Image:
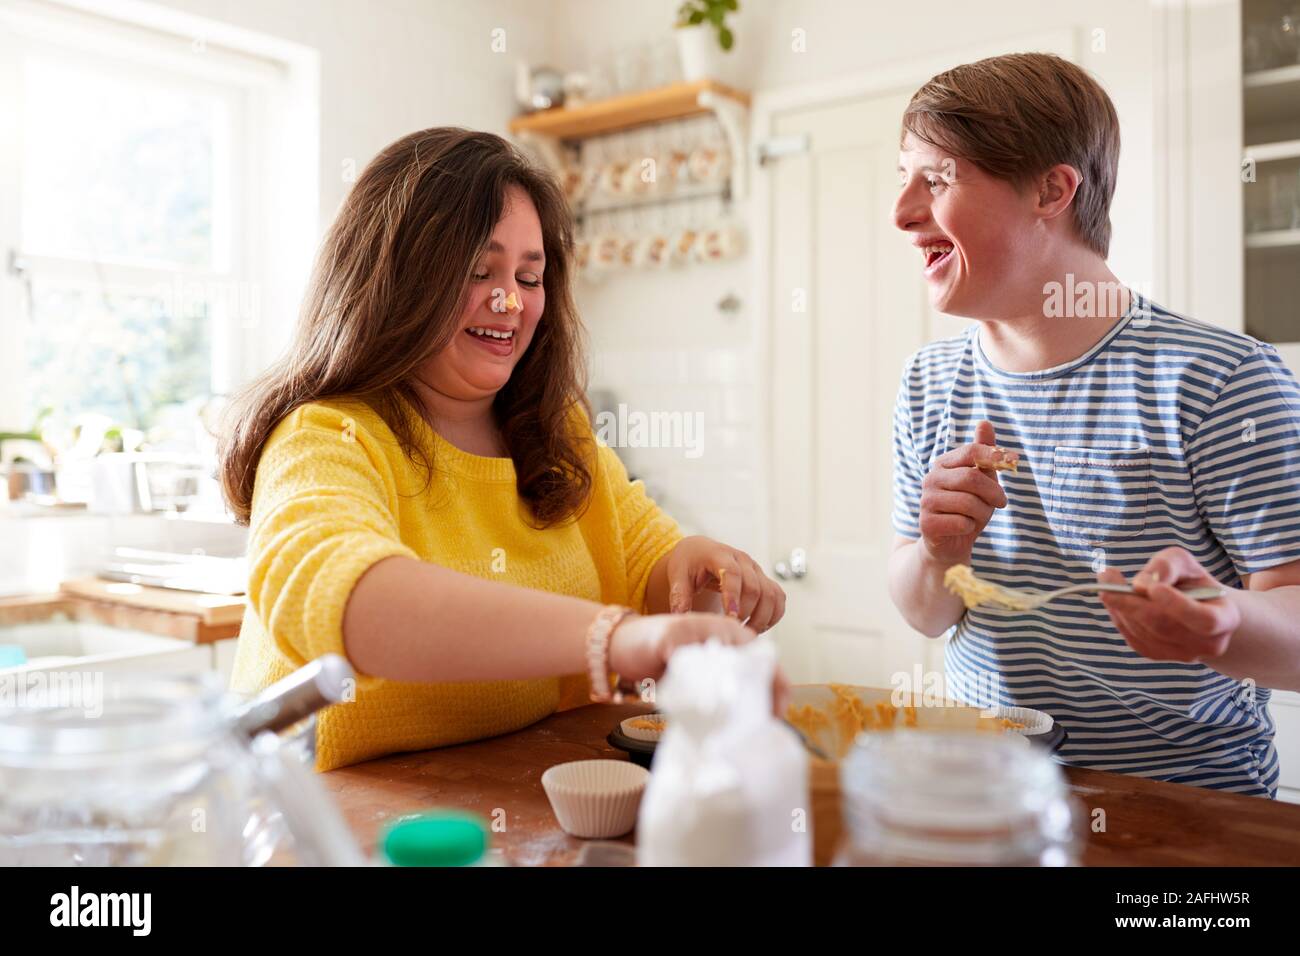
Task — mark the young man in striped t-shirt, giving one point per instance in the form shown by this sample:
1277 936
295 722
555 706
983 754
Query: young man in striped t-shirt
1152 448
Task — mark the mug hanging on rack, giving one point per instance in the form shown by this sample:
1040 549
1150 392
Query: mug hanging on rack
708 158
593 163
627 240
573 182
651 246
612 178
642 173
606 246
673 156
581 253
685 238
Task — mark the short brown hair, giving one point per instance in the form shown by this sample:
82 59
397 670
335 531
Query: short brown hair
1016 116
387 293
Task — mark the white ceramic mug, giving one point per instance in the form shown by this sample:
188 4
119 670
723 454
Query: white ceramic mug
653 251
606 249
683 244
634 182
612 178
582 254
707 163
719 243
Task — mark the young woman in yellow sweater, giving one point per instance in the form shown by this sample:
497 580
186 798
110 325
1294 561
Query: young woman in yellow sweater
424 491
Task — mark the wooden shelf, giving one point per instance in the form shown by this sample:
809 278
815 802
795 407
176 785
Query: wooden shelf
625 112
1272 152
1273 239
1278 76
1270 96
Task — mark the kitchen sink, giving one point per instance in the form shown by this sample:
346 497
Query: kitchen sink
61 644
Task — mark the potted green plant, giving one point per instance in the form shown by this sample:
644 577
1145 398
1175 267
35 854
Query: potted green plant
703 36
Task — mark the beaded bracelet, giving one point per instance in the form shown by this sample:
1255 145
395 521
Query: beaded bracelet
598 635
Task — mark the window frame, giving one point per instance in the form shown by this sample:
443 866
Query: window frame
252 88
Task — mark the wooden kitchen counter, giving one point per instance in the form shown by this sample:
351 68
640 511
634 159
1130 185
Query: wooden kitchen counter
1147 823
188 615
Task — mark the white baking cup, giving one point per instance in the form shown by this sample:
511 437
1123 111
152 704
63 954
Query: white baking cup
595 799
1036 722
641 733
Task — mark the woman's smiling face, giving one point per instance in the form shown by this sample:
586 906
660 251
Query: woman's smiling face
504 303
974 231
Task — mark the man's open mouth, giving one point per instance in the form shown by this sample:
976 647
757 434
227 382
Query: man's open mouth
935 252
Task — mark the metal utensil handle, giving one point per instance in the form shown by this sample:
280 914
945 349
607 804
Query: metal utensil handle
1196 594
808 744
320 683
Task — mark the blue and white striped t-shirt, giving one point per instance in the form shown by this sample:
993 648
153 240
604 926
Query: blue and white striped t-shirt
1168 432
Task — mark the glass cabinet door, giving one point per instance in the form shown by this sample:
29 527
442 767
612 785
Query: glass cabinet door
1271 170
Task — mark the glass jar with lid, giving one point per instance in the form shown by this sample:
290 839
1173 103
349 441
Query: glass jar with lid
920 798
153 770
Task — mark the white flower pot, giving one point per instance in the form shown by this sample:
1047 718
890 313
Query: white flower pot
700 53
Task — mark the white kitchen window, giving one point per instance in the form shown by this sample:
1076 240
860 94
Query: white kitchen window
134 220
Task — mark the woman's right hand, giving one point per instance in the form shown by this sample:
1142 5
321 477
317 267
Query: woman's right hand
640 646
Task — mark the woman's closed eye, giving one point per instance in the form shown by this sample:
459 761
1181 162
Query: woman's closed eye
529 280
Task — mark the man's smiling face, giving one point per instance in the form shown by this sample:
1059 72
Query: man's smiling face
975 232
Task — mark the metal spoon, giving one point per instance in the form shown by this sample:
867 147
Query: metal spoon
1018 599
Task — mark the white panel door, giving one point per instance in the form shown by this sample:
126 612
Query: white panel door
849 306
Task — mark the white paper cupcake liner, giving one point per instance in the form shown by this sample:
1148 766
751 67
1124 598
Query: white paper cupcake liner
595 799
1036 722
642 733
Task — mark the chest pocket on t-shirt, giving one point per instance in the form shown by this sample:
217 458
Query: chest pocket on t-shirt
1099 495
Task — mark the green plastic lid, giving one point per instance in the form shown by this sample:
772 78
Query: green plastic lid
439 838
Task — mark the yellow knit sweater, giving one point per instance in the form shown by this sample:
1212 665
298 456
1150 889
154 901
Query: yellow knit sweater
335 494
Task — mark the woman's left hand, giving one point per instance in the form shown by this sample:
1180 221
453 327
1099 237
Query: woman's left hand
702 564
1161 623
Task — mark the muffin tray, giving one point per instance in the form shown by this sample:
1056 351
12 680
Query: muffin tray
638 751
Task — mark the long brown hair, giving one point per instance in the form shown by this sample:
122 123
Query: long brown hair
387 293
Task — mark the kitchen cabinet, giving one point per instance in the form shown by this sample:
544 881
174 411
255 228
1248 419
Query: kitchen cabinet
1227 93
1228 192
1285 708
1270 126
57 635
1268 83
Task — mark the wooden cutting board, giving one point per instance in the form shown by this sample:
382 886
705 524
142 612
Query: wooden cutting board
211 609
207 617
